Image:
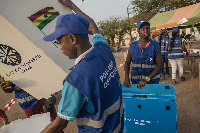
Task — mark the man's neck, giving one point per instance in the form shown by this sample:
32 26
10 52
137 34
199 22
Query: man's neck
79 57
83 49
143 42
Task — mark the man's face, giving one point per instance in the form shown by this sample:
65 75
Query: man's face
68 47
144 31
165 33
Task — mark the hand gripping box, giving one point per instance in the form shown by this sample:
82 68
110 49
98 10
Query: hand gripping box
151 109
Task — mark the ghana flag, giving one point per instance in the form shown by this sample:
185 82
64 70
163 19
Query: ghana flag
44 16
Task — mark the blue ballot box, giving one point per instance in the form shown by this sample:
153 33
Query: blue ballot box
151 109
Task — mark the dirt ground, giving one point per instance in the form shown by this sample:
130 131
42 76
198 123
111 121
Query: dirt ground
187 94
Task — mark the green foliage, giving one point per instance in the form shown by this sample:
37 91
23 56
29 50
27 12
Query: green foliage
146 9
115 27
156 6
108 28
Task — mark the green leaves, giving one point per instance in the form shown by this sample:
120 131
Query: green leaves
116 27
156 6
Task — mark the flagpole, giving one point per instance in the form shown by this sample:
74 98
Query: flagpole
82 5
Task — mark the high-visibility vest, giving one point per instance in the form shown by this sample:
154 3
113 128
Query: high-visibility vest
97 78
177 51
163 45
144 63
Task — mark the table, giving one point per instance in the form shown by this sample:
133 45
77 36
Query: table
191 57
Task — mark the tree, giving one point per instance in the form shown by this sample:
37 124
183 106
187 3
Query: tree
130 26
123 26
146 9
108 28
156 6
116 27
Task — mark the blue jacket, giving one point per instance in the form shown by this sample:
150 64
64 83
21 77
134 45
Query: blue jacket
177 51
25 100
96 77
163 45
143 63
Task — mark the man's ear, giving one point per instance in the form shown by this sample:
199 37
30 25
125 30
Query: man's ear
73 39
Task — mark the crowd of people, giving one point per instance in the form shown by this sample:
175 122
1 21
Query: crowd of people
172 50
92 92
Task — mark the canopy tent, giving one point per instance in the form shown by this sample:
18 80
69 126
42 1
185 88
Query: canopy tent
194 19
155 33
160 19
189 15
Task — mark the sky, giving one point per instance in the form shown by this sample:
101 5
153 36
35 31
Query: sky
100 10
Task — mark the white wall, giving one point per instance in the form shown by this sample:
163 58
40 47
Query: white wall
188 31
196 33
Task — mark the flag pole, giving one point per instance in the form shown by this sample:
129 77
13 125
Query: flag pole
82 5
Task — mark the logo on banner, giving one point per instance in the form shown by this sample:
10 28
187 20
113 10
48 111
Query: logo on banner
9 55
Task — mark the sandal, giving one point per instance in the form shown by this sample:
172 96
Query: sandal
173 83
182 78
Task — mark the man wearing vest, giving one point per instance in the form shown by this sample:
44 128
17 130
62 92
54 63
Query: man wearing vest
163 41
27 102
175 54
146 58
91 92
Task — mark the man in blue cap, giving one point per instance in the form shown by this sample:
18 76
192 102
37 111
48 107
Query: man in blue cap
146 59
163 41
91 92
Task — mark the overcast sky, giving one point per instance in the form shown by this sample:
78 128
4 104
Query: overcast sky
103 9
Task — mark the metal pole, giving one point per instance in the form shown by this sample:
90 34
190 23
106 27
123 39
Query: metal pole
128 13
199 76
82 5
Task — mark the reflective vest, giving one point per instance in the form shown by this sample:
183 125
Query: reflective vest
177 51
25 100
144 63
163 45
96 77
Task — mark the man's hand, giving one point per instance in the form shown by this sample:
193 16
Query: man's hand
127 83
141 84
6 86
4 117
67 3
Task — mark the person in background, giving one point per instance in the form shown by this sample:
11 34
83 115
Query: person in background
146 59
27 102
182 35
4 117
175 54
163 41
91 92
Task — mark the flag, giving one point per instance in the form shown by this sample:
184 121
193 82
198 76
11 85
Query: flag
44 16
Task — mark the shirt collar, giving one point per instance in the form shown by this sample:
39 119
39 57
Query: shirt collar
83 55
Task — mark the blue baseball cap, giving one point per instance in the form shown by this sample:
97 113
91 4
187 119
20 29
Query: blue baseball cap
69 24
141 23
176 30
163 31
